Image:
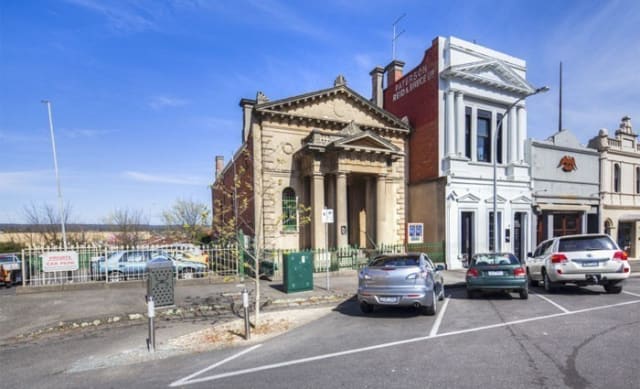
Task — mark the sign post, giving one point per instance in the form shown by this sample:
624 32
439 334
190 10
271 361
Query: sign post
327 218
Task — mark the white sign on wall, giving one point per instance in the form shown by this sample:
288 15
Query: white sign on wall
415 232
60 261
327 215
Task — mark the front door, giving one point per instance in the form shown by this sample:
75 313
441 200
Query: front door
567 224
467 235
519 233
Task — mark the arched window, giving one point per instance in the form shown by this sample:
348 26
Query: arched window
616 178
607 227
289 210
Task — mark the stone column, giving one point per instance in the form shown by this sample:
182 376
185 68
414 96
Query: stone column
513 136
522 131
341 210
460 123
381 210
451 123
549 225
317 204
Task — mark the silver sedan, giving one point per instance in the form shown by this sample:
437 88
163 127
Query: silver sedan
405 280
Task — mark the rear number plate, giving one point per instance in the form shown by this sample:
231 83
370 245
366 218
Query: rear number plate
495 273
388 300
590 264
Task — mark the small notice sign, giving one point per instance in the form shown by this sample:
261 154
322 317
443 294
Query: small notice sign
416 232
327 215
60 261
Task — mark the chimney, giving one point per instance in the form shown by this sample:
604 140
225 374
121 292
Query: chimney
247 109
219 165
394 71
376 86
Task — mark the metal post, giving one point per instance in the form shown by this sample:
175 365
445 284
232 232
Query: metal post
245 306
495 155
151 313
55 165
327 255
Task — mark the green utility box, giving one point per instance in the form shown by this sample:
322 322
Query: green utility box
298 272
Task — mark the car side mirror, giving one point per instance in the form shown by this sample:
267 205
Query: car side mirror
529 254
440 267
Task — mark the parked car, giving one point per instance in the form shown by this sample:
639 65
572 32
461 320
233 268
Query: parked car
128 264
11 269
186 252
496 272
587 259
405 280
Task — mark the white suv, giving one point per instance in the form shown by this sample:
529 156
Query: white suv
579 259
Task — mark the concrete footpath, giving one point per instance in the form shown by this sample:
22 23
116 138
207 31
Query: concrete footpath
27 313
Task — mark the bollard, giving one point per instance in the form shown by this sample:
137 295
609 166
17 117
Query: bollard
245 305
151 313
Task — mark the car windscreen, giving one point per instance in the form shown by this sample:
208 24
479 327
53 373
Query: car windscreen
586 243
494 259
395 261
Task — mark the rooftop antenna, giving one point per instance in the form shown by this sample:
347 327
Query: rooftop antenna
395 37
560 102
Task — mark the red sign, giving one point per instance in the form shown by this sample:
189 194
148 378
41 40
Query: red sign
60 261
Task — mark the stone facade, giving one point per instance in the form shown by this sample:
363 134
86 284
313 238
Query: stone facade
566 186
329 149
620 185
454 100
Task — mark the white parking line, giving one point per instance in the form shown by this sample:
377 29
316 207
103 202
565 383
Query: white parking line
187 381
560 307
436 324
631 294
184 381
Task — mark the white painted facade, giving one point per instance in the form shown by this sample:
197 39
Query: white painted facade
477 81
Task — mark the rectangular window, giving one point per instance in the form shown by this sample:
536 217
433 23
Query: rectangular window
491 231
467 132
466 234
483 131
638 180
499 140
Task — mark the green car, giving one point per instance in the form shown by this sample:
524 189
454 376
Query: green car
496 272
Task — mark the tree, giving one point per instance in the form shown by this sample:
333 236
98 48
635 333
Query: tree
234 196
44 224
190 217
129 224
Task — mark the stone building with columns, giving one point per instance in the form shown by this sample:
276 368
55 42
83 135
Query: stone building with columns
619 165
329 149
454 100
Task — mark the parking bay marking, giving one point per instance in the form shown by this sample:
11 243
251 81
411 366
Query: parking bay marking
560 307
631 294
436 324
188 380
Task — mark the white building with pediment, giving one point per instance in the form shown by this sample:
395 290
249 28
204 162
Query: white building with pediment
454 100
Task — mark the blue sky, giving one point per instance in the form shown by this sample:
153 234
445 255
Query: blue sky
145 93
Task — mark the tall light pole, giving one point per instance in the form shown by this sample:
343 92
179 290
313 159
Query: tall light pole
495 165
55 165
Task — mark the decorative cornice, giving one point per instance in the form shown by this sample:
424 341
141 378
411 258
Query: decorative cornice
509 80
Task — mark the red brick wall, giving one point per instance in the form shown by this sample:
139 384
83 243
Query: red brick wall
223 194
415 95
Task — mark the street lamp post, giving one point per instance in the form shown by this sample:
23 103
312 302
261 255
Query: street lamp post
55 165
495 165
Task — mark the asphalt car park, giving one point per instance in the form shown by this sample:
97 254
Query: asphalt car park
573 338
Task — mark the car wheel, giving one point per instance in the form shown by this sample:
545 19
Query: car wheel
187 274
433 308
532 282
548 285
116 276
365 307
613 288
441 298
524 293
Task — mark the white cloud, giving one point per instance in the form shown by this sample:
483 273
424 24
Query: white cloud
164 179
160 102
74 133
14 137
26 181
123 16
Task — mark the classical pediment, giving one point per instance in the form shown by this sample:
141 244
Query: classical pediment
521 200
500 200
493 73
468 198
364 141
338 105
